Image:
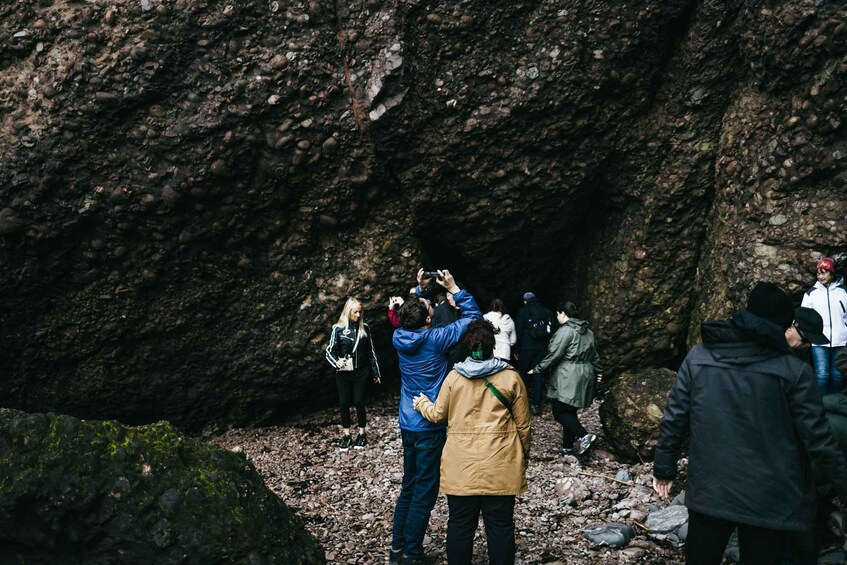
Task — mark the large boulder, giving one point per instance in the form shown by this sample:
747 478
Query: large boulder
633 409
75 491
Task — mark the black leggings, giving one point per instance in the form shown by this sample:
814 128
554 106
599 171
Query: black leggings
352 390
565 414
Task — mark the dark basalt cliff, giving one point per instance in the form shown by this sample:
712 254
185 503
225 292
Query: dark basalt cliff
189 189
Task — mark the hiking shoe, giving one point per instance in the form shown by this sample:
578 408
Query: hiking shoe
395 556
361 442
585 443
346 442
566 451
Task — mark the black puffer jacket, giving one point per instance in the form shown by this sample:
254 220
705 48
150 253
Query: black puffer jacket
755 421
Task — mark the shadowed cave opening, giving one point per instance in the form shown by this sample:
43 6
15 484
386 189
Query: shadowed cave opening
486 282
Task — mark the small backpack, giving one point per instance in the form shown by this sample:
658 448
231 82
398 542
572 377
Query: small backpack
540 329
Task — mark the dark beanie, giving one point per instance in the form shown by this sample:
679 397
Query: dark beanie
768 301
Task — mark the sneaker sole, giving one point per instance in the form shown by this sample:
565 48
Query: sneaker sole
581 451
358 447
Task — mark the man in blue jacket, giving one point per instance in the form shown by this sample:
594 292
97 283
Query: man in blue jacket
424 362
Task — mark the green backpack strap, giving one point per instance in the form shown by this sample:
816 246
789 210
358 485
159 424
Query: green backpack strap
500 397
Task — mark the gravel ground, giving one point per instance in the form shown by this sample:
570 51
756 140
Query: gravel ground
347 498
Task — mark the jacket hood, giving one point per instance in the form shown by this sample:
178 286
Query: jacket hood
744 339
408 341
473 369
581 326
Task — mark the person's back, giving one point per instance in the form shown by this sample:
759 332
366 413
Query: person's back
424 362
530 313
484 465
532 345
424 355
754 418
746 462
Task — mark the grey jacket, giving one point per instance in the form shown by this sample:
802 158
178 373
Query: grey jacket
574 364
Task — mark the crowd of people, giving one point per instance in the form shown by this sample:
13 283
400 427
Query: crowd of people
761 451
464 406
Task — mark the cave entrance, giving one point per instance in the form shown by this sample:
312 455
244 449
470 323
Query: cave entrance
486 279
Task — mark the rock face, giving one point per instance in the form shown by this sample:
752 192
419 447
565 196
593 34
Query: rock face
190 189
96 492
633 409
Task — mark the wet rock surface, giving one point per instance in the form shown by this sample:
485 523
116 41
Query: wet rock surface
347 498
632 411
190 189
90 492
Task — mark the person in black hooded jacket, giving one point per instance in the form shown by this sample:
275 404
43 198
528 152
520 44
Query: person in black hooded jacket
755 421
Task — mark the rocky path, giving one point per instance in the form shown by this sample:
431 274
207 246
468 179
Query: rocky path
347 498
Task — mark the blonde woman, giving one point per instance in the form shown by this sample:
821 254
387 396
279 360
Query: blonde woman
351 354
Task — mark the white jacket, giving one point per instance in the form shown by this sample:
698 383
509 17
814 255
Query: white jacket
506 337
831 303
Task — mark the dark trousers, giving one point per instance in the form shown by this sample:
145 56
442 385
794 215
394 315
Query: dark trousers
498 514
708 536
421 479
565 414
534 383
352 389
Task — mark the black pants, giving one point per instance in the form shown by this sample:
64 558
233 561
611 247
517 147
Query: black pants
498 513
707 538
565 414
534 383
352 388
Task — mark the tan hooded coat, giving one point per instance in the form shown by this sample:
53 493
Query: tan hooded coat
487 451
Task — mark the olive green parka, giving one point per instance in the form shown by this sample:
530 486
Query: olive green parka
574 364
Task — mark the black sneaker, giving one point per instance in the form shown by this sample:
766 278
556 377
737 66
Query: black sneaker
395 556
566 451
585 443
346 442
361 442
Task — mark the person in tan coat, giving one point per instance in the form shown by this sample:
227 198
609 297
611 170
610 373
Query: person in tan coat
483 466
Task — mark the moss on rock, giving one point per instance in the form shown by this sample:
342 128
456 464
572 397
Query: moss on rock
101 492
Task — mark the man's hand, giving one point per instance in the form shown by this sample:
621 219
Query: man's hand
446 280
422 282
340 363
662 487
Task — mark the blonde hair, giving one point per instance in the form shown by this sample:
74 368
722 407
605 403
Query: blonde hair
344 318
